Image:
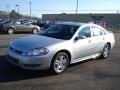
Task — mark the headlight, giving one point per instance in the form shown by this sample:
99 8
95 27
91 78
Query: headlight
36 52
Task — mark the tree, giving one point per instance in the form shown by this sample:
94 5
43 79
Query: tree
15 15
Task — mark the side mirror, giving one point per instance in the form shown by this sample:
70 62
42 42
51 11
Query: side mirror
76 39
82 37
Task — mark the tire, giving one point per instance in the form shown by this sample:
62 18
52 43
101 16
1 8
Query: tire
59 63
11 31
35 30
106 51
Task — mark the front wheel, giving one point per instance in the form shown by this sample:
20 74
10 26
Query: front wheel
106 51
59 63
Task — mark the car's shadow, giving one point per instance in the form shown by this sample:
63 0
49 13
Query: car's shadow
9 73
1 33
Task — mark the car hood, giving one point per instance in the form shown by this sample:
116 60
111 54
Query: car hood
33 41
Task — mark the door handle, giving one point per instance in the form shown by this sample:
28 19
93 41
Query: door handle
89 41
103 38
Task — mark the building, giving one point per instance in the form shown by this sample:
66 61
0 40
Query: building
110 19
3 15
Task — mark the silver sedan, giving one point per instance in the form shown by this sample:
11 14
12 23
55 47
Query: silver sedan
11 27
60 45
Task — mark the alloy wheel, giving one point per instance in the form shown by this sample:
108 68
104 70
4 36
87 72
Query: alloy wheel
35 30
60 63
106 51
10 31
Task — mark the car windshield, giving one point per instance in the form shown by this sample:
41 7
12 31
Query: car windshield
60 31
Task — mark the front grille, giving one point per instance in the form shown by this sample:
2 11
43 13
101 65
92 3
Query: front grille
15 50
13 60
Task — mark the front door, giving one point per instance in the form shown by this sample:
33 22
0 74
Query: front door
20 26
84 46
98 39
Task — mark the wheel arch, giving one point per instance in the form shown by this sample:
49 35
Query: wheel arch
65 51
11 27
35 28
109 44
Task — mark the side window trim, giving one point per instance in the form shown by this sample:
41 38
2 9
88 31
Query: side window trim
104 32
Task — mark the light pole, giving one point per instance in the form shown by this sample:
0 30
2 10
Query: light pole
30 9
17 8
77 11
8 11
77 7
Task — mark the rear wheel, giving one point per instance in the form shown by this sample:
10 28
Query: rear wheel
35 30
11 31
59 63
106 51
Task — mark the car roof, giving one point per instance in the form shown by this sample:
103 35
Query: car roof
79 24
71 23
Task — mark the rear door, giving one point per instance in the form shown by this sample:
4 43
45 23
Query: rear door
29 27
98 39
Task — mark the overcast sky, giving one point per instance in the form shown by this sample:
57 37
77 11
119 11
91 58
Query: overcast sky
61 6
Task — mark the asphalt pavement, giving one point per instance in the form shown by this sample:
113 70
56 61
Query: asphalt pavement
97 74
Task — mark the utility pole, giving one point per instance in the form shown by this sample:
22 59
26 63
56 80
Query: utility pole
8 11
30 9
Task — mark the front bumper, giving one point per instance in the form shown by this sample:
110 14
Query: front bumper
29 62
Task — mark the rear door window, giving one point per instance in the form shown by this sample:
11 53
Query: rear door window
96 31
